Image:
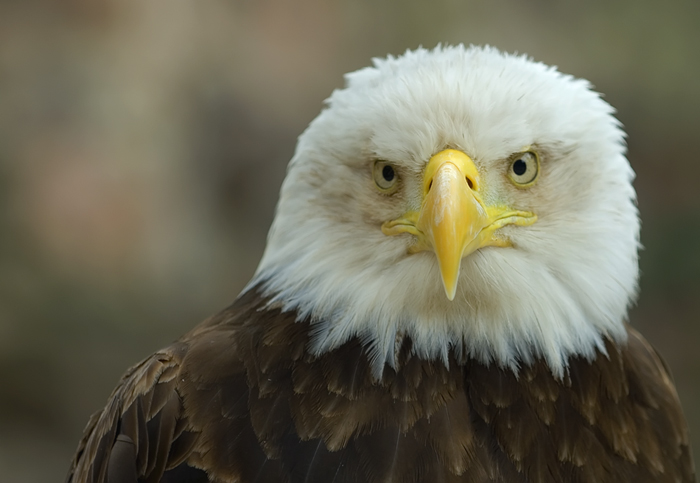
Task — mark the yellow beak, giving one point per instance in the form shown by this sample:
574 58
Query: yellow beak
453 220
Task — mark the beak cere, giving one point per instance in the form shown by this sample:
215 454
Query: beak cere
451 217
453 220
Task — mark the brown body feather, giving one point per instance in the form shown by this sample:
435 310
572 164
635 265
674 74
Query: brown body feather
239 399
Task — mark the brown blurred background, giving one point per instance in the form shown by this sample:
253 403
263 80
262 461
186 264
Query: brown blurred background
142 145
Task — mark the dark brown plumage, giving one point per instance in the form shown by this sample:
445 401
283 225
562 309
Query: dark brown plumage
240 399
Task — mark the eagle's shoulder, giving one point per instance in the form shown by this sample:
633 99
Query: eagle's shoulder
615 417
140 428
154 419
653 395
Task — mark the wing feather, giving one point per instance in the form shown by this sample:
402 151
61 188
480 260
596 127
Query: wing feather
134 434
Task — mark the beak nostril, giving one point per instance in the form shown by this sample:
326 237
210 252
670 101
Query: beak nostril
470 183
430 185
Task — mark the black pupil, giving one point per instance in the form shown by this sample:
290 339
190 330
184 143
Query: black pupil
388 173
519 167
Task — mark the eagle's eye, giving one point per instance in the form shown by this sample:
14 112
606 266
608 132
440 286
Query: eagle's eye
385 176
524 168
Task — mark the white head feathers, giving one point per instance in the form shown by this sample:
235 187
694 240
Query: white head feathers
563 286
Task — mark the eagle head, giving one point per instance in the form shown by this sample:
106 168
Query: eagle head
470 200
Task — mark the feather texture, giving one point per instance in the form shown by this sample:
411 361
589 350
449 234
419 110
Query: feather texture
238 399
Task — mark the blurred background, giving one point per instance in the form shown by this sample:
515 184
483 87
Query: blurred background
142 146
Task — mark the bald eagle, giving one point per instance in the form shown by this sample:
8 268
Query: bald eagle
443 298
